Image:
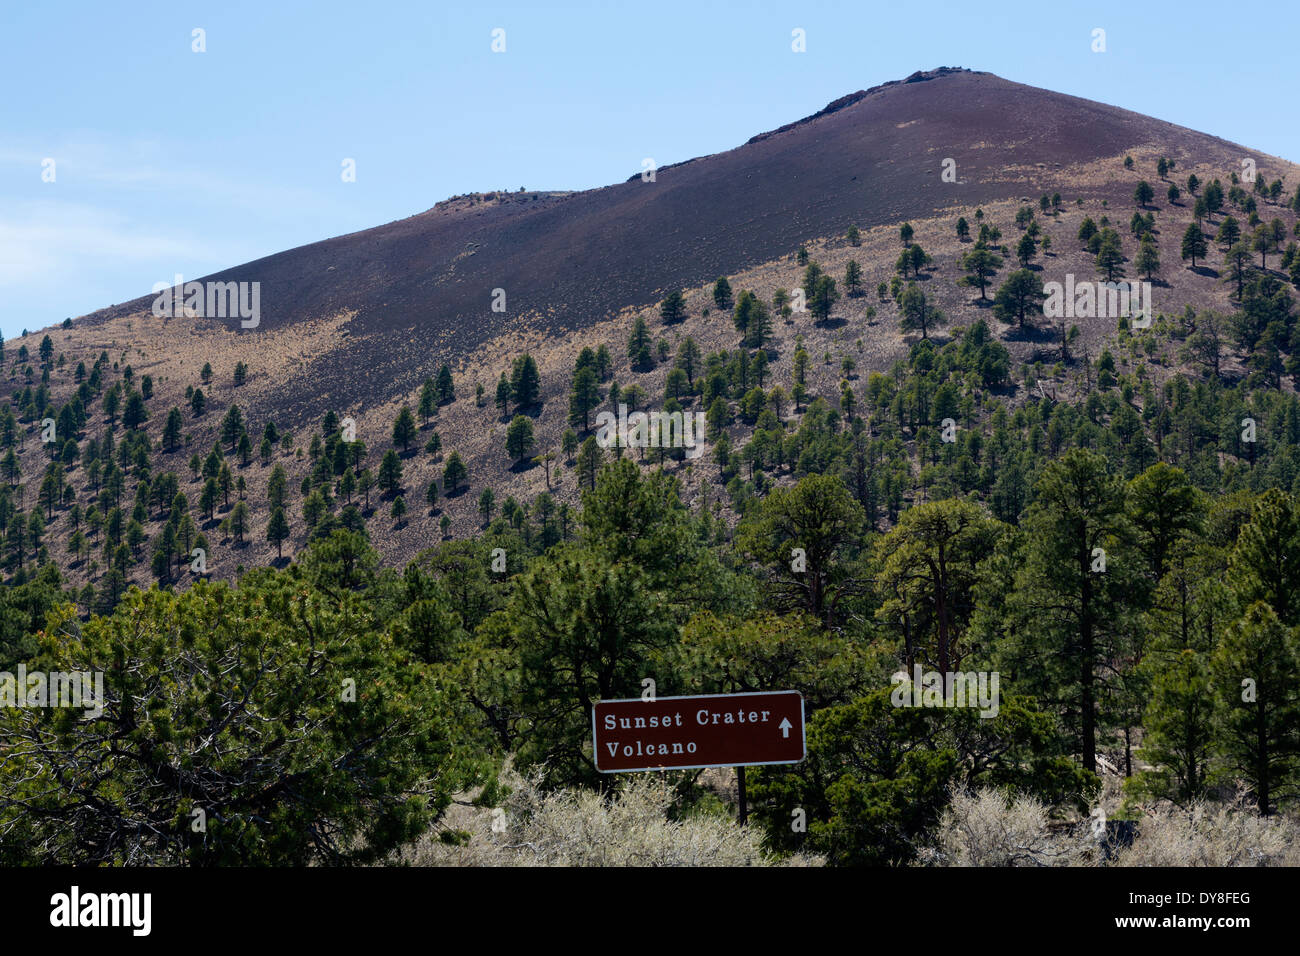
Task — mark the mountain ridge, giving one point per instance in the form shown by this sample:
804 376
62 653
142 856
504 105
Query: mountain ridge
566 260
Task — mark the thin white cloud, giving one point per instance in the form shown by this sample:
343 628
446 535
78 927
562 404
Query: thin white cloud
155 166
49 239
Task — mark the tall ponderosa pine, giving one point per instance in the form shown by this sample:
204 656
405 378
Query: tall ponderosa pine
823 297
519 438
428 406
1110 254
404 429
722 293
1194 244
1072 600
1148 258
1256 677
390 473
752 319
453 473
638 345
525 382
1179 730
584 396
444 386
928 566
853 278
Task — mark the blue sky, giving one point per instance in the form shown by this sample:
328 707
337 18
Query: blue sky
169 161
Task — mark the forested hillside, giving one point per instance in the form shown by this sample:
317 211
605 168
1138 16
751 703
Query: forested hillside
316 635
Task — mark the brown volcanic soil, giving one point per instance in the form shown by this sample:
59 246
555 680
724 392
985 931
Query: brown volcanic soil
421 288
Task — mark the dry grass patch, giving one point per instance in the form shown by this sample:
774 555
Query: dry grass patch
988 828
580 828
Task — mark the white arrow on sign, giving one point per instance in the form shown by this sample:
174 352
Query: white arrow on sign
785 726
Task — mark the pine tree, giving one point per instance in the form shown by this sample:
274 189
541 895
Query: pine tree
752 319
919 258
1179 728
824 296
226 480
134 414
722 294
915 311
1261 241
604 363
1019 297
1237 258
1087 229
525 383
404 429
275 487
853 278
1110 254
277 531
688 359
428 406
503 395
445 387
519 438
1256 678
1194 244
589 459
1148 258
638 345
1072 597
390 473
1026 250
208 497
980 265
584 396
365 481
673 308
171 435
239 521
453 473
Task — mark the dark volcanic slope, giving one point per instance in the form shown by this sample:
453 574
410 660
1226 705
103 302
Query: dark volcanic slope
870 158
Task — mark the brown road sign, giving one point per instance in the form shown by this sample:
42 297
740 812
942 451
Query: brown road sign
720 730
